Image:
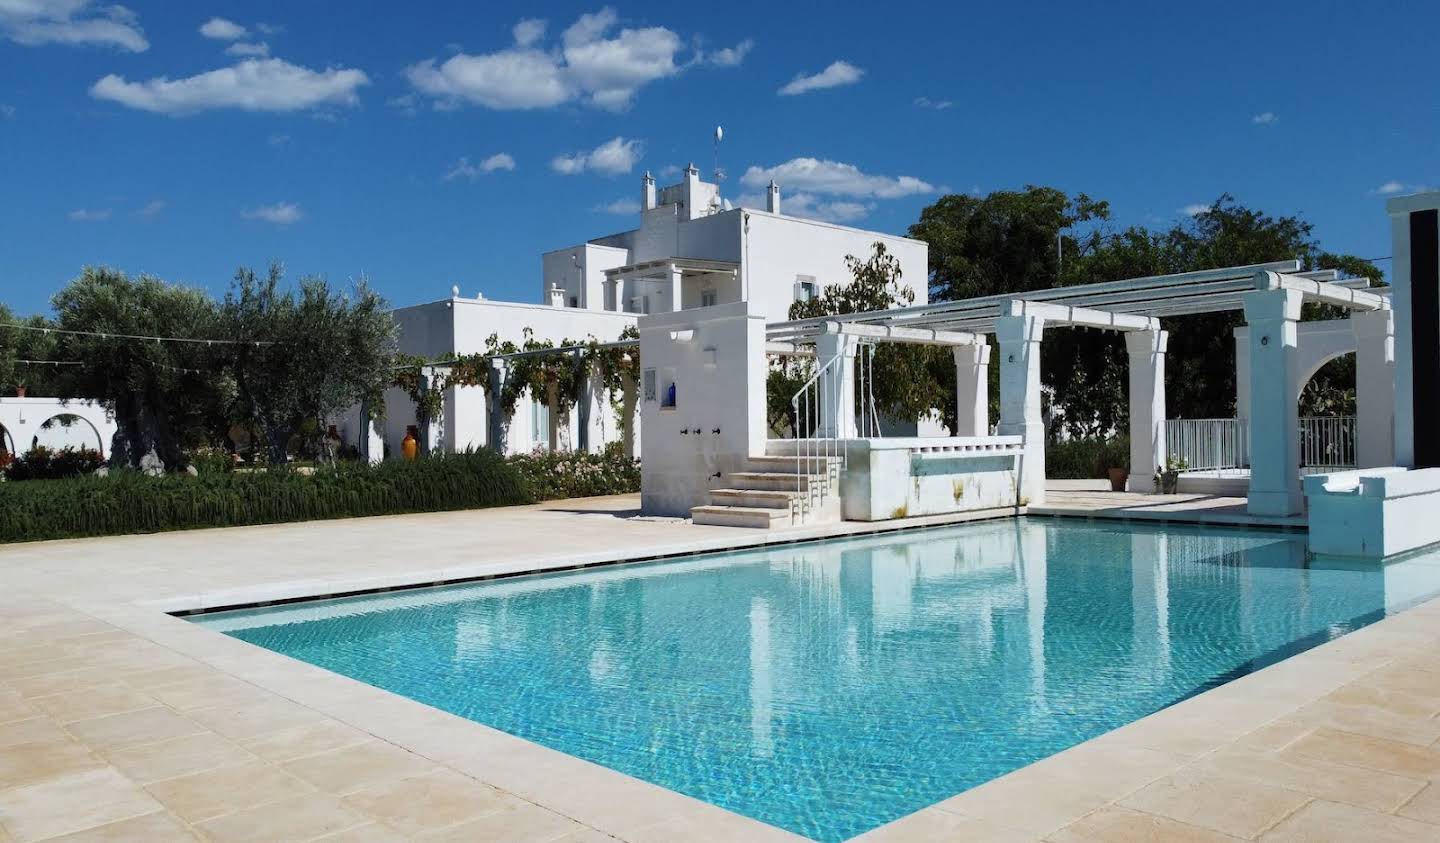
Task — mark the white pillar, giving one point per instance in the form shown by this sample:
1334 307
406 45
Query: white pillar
676 292
1147 406
1019 338
628 398
1415 279
1274 411
1242 372
972 388
837 385
1374 387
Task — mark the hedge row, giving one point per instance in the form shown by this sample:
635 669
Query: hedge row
129 502
551 476
1084 459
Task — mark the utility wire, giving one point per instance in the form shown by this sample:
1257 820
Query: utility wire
105 335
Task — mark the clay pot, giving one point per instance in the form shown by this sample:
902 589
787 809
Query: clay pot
1118 478
410 445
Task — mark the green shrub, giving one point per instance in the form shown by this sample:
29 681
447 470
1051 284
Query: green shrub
570 474
42 463
1084 459
130 502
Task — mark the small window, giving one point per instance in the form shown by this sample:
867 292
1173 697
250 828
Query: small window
539 423
574 301
708 298
649 378
805 288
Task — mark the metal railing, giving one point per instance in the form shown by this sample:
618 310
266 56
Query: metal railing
816 408
868 420
1327 443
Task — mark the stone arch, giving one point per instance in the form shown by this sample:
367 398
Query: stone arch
89 435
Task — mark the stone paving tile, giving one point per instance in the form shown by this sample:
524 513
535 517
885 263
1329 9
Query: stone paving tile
159 827
1396 757
1236 807
119 731
31 730
518 821
91 702
299 741
203 692
428 803
1314 777
372 833
1425 806
249 719
177 757
303 817
1119 825
355 767
1324 822
1369 720
15 707
1036 802
56 683
213 793
933 824
32 763
72 803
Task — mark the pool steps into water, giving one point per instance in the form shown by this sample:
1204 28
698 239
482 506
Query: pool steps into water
770 491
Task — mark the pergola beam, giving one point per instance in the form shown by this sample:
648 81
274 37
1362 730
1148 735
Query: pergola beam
1346 297
1083 317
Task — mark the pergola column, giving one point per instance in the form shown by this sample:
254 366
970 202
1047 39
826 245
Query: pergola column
499 425
629 394
371 442
1374 387
1147 406
1019 338
432 433
972 388
837 385
1274 410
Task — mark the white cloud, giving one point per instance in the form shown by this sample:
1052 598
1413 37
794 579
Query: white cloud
809 206
153 208
71 22
837 74
223 30
245 48
618 155
1194 210
89 215
269 28
1394 188
592 62
7 110
621 207
281 213
528 31
670 171
463 169
938 105
278 140
834 178
728 56
250 85
1265 118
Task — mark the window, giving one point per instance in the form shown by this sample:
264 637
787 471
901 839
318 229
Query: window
805 288
649 378
539 423
708 298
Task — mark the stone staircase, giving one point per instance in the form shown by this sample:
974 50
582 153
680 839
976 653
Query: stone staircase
771 494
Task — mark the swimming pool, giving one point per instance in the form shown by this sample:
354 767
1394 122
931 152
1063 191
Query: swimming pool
830 687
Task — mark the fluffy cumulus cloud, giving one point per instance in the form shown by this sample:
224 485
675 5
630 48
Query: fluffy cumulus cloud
223 30
72 22
251 85
837 74
89 215
1194 209
465 169
938 105
281 213
810 206
621 207
812 175
615 156
153 208
1395 188
246 49
1265 118
727 56
595 61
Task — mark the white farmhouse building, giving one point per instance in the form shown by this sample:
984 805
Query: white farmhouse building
692 249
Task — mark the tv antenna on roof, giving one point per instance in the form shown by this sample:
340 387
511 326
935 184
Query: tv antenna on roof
719 136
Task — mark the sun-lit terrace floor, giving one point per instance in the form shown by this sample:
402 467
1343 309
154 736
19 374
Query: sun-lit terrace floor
120 722
1093 499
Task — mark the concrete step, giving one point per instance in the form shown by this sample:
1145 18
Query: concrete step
774 480
761 498
740 516
815 465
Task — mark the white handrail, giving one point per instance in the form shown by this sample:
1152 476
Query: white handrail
820 392
1326 443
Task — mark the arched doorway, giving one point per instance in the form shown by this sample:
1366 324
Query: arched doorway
68 430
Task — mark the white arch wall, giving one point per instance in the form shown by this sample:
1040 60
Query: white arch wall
22 418
1318 344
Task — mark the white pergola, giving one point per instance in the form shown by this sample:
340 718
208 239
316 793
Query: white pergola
1270 294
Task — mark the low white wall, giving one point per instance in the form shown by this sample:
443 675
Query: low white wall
23 420
906 477
1373 513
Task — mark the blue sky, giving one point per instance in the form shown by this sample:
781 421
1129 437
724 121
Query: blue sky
453 142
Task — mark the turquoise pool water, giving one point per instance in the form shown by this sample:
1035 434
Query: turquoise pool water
831 687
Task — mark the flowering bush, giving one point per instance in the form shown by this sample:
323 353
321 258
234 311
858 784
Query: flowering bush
41 463
575 474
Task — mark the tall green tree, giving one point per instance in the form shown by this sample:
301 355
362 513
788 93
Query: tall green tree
162 393
304 355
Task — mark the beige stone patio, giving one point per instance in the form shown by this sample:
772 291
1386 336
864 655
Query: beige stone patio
120 722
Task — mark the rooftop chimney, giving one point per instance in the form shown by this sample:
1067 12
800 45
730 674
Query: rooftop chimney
772 197
557 296
647 192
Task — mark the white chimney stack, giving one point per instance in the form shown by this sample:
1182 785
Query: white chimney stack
557 296
647 192
772 197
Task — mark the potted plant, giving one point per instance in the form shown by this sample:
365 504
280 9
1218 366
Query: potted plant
1167 477
1119 476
